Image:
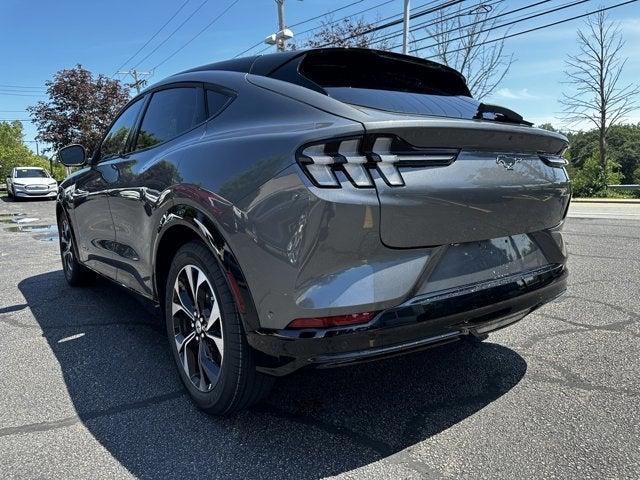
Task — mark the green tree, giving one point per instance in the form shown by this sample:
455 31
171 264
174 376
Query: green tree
623 147
589 181
14 153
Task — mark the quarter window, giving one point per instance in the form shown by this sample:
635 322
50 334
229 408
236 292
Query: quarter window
170 113
216 101
116 139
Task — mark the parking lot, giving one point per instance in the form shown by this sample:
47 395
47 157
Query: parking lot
88 388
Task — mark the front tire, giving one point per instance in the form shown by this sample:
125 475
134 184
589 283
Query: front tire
77 275
206 336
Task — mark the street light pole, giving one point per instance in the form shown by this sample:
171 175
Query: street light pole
405 27
283 34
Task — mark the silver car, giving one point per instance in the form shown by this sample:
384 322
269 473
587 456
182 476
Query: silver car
31 182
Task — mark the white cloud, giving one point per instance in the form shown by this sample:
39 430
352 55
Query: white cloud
522 94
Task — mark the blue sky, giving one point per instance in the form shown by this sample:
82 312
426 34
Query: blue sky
41 37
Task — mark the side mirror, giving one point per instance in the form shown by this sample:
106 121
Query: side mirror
72 155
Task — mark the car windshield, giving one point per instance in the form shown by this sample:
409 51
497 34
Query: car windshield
31 173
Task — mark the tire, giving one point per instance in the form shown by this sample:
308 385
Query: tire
10 192
207 340
76 274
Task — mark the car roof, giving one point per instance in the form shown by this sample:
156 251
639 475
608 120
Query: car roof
29 168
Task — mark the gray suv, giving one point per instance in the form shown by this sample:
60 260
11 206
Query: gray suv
316 208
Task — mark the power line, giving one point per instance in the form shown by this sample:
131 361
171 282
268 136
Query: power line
541 27
257 44
506 24
392 23
360 12
21 87
206 27
431 22
152 37
22 94
172 33
325 14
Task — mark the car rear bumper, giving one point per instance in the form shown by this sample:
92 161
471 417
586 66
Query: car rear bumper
422 322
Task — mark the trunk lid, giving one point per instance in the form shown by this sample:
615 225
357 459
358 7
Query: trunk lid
503 181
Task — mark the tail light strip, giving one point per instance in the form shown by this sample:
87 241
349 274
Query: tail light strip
357 156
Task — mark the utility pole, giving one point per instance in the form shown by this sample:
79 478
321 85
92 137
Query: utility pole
405 27
139 78
283 33
280 44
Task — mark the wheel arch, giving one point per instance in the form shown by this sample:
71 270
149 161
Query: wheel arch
184 222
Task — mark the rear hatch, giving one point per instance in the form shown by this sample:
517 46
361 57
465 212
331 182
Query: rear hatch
447 168
498 180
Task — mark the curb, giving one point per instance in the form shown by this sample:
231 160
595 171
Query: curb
606 200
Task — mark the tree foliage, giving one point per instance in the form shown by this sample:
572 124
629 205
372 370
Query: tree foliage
623 148
585 169
14 153
597 95
79 109
588 180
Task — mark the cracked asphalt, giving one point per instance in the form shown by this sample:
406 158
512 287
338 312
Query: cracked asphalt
88 389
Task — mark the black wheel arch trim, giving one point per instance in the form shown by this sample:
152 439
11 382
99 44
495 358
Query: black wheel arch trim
188 213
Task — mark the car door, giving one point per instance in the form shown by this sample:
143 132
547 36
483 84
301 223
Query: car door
173 118
89 201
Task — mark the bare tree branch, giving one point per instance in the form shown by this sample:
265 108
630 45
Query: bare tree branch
593 75
457 36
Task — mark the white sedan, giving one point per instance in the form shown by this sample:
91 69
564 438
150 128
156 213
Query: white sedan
31 182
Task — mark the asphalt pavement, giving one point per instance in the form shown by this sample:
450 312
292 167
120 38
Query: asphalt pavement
88 388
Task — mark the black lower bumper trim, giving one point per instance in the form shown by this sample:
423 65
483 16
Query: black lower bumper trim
419 323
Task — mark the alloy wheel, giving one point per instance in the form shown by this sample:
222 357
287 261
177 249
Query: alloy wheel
66 246
197 327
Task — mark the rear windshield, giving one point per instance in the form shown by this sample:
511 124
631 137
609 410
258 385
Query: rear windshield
389 82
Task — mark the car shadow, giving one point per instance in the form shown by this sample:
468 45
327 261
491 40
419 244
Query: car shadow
7 199
316 423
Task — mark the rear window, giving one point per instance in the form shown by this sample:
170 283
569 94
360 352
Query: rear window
389 82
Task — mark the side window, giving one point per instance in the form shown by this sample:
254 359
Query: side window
116 139
216 101
170 112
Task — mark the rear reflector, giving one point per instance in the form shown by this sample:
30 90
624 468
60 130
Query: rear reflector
335 321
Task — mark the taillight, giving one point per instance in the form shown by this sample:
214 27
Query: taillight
554 160
334 321
327 162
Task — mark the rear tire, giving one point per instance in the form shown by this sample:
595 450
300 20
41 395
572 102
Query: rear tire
206 336
76 274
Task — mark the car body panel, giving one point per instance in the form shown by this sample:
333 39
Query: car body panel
290 249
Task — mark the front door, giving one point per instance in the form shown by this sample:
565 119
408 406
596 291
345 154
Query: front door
91 211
